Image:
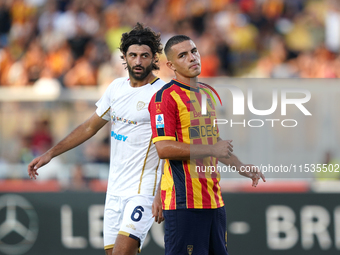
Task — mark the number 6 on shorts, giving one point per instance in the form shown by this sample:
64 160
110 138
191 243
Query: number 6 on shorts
137 213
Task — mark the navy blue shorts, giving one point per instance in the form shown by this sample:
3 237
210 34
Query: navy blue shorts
195 232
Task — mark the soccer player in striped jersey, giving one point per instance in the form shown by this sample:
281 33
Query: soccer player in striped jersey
135 167
193 208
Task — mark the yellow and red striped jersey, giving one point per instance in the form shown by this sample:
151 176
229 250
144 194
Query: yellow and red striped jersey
175 113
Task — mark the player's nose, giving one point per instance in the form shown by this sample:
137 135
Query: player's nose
138 60
192 57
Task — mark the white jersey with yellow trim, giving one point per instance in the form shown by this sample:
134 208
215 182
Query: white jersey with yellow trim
134 165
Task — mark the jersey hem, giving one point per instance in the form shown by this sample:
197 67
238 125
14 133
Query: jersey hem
106 247
103 116
198 208
163 138
148 194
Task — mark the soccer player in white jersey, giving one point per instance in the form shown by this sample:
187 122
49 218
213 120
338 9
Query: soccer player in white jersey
135 168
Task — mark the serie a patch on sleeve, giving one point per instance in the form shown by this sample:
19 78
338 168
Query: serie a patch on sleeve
159 121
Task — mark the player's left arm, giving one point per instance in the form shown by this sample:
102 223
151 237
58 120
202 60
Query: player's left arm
157 211
246 170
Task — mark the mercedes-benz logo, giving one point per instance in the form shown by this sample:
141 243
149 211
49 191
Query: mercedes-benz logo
17 234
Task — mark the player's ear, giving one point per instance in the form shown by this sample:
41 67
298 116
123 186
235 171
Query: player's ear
170 65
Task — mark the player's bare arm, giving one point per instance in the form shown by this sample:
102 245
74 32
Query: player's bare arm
157 211
174 150
246 170
79 135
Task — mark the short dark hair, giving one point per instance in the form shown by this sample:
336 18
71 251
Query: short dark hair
173 41
142 35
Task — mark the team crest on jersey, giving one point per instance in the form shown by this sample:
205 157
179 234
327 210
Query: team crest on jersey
140 105
190 248
158 108
160 121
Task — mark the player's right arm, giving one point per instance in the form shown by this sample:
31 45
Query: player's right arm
174 150
164 119
79 135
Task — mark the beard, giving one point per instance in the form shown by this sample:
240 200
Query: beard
141 75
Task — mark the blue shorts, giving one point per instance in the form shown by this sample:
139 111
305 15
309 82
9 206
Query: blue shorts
195 232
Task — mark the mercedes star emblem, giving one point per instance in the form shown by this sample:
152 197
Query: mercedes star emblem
17 234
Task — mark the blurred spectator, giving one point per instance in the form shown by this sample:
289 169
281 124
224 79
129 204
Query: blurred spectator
114 28
46 84
33 61
103 151
59 59
25 152
15 74
82 74
89 19
78 181
66 22
6 61
42 139
332 26
251 38
49 16
5 22
23 24
99 151
209 61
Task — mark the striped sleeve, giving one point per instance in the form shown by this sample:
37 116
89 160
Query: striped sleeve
163 109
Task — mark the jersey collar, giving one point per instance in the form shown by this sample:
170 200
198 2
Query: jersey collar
185 86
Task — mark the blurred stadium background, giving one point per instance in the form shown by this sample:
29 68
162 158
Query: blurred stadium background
57 58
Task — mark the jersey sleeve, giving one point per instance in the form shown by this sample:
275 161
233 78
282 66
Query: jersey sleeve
163 112
103 104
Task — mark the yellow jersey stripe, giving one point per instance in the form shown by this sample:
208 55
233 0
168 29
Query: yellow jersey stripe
164 138
154 80
105 112
109 246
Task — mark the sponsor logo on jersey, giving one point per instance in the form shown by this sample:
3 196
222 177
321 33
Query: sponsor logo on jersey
113 116
118 136
199 114
196 132
160 121
131 226
140 105
126 121
191 101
